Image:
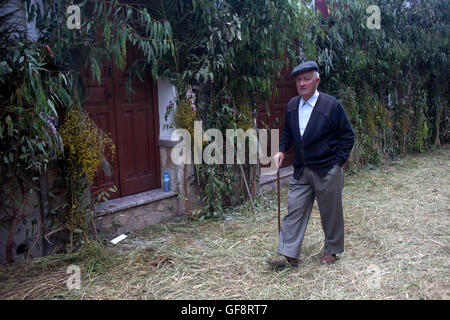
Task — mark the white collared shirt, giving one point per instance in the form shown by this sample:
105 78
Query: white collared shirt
305 110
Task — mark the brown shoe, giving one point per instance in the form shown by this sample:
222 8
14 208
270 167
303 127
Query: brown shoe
281 264
328 259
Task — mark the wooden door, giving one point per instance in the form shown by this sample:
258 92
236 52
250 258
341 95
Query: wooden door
101 107
138 132
133 122
273 115
322 7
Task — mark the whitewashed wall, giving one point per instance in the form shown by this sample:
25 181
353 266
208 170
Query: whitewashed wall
166 93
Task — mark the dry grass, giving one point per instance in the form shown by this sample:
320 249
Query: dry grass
397 247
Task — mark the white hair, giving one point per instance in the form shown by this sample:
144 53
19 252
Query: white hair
316 75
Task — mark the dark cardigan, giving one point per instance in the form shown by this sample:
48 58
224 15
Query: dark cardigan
328 138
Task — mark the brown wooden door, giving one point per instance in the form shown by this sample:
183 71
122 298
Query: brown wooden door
322 6
276 109
138 131
134 126
101 107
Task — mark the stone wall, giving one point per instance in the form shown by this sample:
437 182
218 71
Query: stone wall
28 236
181 178
138 217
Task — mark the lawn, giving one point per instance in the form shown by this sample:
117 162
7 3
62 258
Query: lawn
397 222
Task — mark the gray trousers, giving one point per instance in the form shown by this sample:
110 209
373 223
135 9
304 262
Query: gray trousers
302 192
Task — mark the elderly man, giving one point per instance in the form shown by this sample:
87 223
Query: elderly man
317 126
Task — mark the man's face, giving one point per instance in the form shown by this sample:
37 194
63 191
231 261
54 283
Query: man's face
306 84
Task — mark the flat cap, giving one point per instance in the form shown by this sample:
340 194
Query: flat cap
305 66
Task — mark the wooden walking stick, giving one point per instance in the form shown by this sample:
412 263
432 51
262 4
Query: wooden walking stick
278 190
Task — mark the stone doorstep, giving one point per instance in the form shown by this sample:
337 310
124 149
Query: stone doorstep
134 200
284 173
146 197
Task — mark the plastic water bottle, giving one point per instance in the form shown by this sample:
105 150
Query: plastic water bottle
166 181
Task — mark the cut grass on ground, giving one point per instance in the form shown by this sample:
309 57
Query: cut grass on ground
396 247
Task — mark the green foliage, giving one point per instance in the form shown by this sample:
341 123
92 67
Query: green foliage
27 133
393 81
28 118
106 27
84 144
421 132
40 80
85 149
233 50
27 97
244 119
185 113
217 181
269 29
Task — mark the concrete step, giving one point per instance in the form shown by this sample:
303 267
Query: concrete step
135 212
269 182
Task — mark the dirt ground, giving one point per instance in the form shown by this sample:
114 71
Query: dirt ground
397 246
